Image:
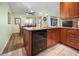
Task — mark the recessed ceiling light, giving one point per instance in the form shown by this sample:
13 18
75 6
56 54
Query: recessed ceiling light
40 13
31 11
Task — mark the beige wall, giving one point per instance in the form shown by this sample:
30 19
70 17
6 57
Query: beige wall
5 28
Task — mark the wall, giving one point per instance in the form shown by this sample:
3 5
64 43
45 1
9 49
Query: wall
5 28
23 18
15 26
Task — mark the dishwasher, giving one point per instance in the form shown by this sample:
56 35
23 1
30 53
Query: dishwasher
39 41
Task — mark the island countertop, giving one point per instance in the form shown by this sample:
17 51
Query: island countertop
43 28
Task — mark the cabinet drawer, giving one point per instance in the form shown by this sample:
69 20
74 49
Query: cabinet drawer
73 31
74 42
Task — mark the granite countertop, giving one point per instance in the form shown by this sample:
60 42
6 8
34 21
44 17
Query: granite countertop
43 28
38 28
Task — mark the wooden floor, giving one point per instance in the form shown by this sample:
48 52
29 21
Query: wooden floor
14 43
15 48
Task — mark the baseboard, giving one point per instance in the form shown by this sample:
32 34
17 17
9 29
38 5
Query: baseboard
6 44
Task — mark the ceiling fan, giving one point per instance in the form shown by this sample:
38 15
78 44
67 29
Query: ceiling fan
30 12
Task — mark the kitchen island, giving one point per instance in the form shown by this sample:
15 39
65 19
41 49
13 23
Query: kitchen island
37 39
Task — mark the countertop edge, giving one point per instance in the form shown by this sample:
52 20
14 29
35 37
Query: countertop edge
36 28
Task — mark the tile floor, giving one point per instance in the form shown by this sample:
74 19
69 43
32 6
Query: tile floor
56 50
59 50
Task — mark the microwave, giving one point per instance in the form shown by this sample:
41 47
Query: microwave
67 24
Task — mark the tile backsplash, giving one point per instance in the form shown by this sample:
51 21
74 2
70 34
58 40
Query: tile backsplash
75 22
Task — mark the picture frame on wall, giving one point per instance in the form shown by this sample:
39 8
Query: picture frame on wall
17 20
9 18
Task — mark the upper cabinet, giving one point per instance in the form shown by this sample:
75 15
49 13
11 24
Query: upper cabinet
64 9
74 10
69 10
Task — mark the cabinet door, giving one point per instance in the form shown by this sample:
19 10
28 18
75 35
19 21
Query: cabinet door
63 36
49 38
58 31
74 8
64 10
69 10
52 37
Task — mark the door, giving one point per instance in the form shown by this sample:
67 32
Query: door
63 35
74 8
52 37
64 10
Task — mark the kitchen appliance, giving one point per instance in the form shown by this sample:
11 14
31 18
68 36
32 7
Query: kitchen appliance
67 23
53 21
39 41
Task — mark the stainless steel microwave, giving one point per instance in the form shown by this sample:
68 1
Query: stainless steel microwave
67 23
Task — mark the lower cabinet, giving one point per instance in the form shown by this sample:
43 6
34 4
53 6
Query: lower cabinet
73 42
73 38
70 37
27 39
52 37
63 36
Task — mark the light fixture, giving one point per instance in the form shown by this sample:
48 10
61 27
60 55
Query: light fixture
31 11
40 13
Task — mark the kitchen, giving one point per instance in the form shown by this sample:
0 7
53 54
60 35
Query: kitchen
43 30
65 33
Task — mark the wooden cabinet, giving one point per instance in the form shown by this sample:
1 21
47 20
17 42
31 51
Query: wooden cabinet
63 35
64 10
73 38
27 35
70 37
74 8
69 10
52 37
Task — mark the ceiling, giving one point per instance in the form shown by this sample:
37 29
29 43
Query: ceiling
22 7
